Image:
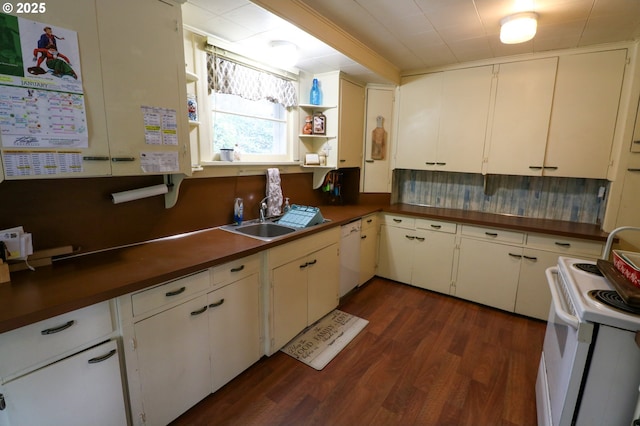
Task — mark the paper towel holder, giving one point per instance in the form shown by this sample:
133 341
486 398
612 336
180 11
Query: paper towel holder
169 189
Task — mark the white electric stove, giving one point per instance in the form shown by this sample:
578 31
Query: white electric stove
581 279
590 365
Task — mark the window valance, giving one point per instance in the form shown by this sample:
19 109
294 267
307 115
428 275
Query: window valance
229 77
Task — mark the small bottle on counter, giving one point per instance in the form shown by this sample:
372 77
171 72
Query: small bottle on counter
238 211
287 206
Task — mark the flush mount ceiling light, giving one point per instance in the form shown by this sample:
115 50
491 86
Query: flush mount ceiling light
518 28
284 53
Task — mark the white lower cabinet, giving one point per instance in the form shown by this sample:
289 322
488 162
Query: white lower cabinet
368 248
304 285
64 370
234 328
534 297
413 254
495 267
186 338
84 389
173 360
488 273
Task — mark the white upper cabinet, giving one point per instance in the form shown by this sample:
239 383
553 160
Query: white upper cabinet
585 109
466 94
351 121
442 120
419 118
521 117
142 55
80 17
127 61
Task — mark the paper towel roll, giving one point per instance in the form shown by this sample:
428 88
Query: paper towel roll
136 194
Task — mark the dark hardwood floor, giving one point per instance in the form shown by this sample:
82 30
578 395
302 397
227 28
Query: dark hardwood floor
423 359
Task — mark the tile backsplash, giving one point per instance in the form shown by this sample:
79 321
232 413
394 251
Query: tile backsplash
569 199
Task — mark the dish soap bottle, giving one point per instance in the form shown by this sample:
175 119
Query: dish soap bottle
287 206
238 210
315 96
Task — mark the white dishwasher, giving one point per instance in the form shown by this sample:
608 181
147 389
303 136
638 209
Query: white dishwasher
349 256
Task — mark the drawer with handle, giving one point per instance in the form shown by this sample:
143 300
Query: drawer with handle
568 246
400 221
235 270
436 225
493 234
172 291
45 340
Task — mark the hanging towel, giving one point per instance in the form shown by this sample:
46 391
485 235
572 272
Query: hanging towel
274 193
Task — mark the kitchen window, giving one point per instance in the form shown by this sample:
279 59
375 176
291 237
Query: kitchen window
251 111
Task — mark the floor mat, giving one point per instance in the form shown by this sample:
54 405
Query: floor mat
320 343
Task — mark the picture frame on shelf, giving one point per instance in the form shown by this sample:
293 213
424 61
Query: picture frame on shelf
319 124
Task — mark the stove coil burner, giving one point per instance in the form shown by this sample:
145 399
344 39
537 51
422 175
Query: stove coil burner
612 298
588 267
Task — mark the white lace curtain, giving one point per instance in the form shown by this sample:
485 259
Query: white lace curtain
232 78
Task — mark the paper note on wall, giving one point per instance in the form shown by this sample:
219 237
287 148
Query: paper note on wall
159 162
160 125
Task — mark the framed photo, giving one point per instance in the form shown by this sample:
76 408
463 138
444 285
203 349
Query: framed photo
319 124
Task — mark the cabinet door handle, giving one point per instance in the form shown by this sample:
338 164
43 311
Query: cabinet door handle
369 220
58 329
363 237
563 244
515 255
436 226
104 357
491 234
531 258
410 237
95 158
636 141
397 220
175 292
535 167
215 305
238 269
118 159
313 262
550 167
343 161
368 161
199 311
421 239
633 170
304 265
3 403
430 163
440 164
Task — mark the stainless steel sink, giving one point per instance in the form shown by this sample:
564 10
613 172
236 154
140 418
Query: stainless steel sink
265 231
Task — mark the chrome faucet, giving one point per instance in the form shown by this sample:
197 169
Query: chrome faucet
263 209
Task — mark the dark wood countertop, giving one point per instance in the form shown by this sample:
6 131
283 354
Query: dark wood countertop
544 226
74 283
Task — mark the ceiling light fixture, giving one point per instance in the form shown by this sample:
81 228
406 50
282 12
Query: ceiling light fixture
518 28
284 53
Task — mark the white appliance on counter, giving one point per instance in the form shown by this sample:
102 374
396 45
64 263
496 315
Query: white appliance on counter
590 366
349 256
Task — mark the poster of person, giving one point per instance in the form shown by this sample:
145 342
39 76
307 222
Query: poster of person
39 53
41 96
